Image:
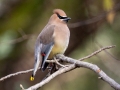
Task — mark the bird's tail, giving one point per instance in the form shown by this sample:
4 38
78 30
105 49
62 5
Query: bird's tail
37 60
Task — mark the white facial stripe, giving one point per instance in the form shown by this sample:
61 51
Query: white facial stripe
64 16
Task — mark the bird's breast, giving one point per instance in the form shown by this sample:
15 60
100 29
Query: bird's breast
58 48
61 41
60 45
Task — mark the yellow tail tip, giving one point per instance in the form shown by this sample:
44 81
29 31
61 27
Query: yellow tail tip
31 78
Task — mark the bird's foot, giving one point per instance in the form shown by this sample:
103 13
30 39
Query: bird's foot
60 63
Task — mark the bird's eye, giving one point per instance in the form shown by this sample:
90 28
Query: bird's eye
60 17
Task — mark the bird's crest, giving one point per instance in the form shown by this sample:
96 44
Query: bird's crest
59 12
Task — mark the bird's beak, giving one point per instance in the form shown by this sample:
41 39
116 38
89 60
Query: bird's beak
67 19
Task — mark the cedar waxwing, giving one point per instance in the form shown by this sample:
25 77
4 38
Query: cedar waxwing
52 40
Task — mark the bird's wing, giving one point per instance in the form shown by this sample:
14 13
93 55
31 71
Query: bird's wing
44 45
46 49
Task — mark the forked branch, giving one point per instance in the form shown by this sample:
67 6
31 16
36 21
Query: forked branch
73 64
76 64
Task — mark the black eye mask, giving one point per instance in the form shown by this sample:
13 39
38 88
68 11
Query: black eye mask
60 17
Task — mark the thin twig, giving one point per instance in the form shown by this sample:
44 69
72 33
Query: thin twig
94 19
15 74
112 56
96 52
20 39
52 61
22 87
58 63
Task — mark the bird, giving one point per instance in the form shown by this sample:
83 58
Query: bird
53 39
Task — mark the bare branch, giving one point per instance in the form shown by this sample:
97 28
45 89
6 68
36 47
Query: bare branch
20 39
60 71
75 64
7 5
22 87
53 61
94 19
58 62
23 72
92 67
96 52
15 74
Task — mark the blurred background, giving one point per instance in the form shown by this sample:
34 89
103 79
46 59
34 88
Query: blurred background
94 24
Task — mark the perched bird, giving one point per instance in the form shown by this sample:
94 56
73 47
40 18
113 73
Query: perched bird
53 39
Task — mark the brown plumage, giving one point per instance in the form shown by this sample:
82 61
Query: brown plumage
53 39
